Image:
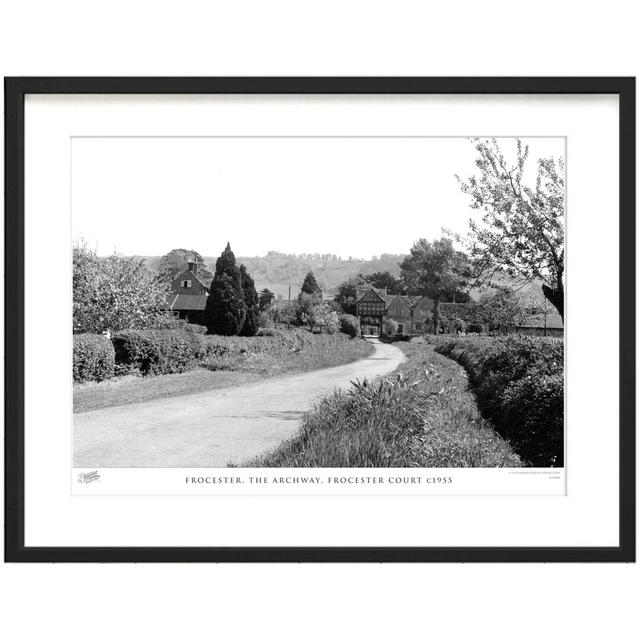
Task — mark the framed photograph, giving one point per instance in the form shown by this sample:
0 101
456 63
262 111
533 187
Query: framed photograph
320 319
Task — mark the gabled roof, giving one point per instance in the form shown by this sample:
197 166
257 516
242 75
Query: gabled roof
188 275
369 294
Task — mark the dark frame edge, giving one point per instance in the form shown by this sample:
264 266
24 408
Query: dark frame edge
15 90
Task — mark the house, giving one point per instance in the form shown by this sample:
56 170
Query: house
374 306
188 297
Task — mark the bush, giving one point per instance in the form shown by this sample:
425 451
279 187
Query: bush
93 357
349 324
520 387
159 351
390 327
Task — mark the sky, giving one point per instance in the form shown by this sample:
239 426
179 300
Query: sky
358 197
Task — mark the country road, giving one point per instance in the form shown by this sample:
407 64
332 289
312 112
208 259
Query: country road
214 428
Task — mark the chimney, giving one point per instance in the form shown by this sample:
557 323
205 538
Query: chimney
193 267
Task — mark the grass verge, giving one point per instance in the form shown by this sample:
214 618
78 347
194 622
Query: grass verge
234 368
423 415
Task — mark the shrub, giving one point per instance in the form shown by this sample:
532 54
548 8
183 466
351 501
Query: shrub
93 357
159 351
520 387
390 327
349 324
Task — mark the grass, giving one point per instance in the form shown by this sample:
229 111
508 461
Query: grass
423 415
230 369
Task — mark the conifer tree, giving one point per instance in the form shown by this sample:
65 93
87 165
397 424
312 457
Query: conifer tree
251 323
310 285
225 311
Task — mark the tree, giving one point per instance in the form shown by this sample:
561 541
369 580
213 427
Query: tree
324 318
285 312
265 299
390 327
505 309
348 293
310 286
115 293
437 270
384 280
175 262
225 310
522 227
250 295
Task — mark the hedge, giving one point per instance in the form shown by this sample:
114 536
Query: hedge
93 357
158 351
519 384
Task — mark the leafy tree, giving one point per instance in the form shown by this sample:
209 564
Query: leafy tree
384 280
285 312
175 262
347 294
324 318
250 295
505 309
437 270
522 227
116 293
225 311
265 299
310 286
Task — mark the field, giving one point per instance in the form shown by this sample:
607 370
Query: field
423 415
234 361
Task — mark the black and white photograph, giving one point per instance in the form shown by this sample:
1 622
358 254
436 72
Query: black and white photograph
318 301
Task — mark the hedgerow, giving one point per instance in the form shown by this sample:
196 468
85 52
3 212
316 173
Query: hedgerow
93 357
519 385
159 351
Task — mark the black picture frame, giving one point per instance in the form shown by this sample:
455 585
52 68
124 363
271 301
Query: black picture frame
15 91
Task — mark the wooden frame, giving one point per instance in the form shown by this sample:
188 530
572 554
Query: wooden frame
15 91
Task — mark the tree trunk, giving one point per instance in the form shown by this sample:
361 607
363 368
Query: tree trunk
436 315
555 296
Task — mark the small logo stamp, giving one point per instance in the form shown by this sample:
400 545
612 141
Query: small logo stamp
90 476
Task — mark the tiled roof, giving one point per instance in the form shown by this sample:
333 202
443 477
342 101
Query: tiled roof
183 302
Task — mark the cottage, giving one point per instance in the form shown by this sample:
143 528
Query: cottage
374 306
188 296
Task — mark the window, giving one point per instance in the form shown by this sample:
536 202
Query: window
418 326
400 328
186 284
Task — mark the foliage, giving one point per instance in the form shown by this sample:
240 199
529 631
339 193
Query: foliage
384 280
159 351
519 384
115 293
172 264
349 324
522 227
437 270
285 312
324 319
347 294
505 310
93 357
265 299
310 286
422 416
250 295
390 327
225 310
